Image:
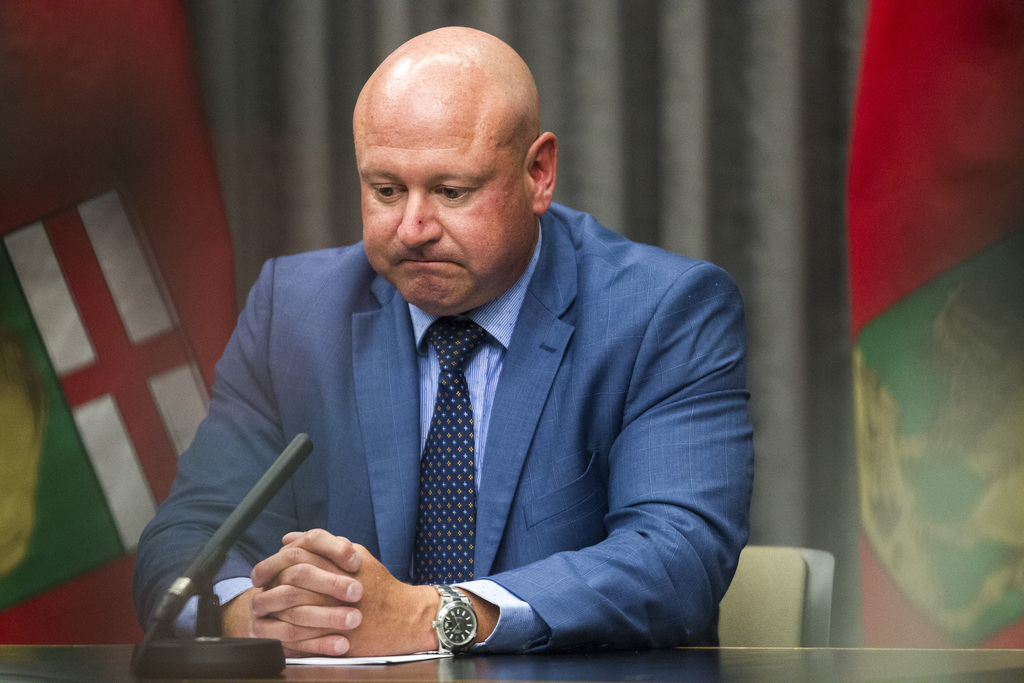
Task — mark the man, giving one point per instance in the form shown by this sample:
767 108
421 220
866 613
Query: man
612 471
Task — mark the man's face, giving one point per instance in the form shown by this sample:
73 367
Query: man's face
447 211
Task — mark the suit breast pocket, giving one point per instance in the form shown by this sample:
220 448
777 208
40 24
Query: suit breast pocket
581 504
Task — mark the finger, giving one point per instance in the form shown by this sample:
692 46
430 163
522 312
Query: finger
264 573
326 646
279 598
341 587
286 596
286 632
333 619
337 549
300 640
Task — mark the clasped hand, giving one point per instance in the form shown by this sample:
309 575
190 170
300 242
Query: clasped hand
322 594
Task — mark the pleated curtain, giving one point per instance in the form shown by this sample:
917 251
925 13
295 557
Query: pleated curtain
713 128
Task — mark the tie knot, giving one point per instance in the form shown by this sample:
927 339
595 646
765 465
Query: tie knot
453 339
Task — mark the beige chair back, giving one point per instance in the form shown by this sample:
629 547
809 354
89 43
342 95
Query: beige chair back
780 597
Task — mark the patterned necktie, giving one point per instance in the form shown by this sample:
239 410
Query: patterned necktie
447 517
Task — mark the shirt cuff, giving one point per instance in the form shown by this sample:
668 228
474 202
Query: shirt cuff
518 627
226 590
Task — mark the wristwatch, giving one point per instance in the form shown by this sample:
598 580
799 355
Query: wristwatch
456 621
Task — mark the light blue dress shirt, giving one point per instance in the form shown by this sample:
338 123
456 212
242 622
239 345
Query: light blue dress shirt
518 625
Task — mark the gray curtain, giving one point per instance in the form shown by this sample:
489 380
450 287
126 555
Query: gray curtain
713 128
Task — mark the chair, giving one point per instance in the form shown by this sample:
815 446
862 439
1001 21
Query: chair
780 597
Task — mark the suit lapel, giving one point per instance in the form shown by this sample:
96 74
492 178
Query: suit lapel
386 378
528 371
387 396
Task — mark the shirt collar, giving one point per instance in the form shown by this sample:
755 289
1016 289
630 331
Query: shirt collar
497 317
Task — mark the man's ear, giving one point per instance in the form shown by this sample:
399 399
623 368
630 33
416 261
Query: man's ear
542 167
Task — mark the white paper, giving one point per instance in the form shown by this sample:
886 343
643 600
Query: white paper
361 661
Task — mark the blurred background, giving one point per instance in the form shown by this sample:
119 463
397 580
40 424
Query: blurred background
858 167
716 129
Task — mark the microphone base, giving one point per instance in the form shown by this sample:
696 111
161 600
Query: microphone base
209 658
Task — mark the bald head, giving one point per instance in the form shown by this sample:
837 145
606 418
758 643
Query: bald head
453 168
464 80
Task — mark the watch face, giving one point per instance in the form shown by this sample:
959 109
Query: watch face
459 625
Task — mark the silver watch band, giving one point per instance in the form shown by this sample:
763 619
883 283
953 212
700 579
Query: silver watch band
453 594
456 623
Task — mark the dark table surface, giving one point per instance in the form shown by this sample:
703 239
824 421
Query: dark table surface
109 663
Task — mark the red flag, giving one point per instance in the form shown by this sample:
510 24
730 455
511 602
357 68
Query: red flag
116 299
936 220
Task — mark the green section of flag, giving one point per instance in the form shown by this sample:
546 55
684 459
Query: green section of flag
951 357
74 531
897 344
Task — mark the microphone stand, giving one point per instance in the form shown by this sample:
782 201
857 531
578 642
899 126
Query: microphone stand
209 655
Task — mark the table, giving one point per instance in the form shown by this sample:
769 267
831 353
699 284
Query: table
109 663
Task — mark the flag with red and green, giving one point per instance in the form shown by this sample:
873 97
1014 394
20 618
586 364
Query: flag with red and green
936 240
116 299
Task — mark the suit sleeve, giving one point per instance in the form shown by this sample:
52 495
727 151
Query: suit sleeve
233 446
679 476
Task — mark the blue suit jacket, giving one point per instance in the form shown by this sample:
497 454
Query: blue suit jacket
616 485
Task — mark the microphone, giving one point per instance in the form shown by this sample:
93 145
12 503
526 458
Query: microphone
216 656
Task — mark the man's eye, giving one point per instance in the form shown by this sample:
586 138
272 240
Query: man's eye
453 192
386 191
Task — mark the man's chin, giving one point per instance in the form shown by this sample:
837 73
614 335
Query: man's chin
435 300
436 294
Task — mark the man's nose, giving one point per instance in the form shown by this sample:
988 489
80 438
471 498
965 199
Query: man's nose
419 221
